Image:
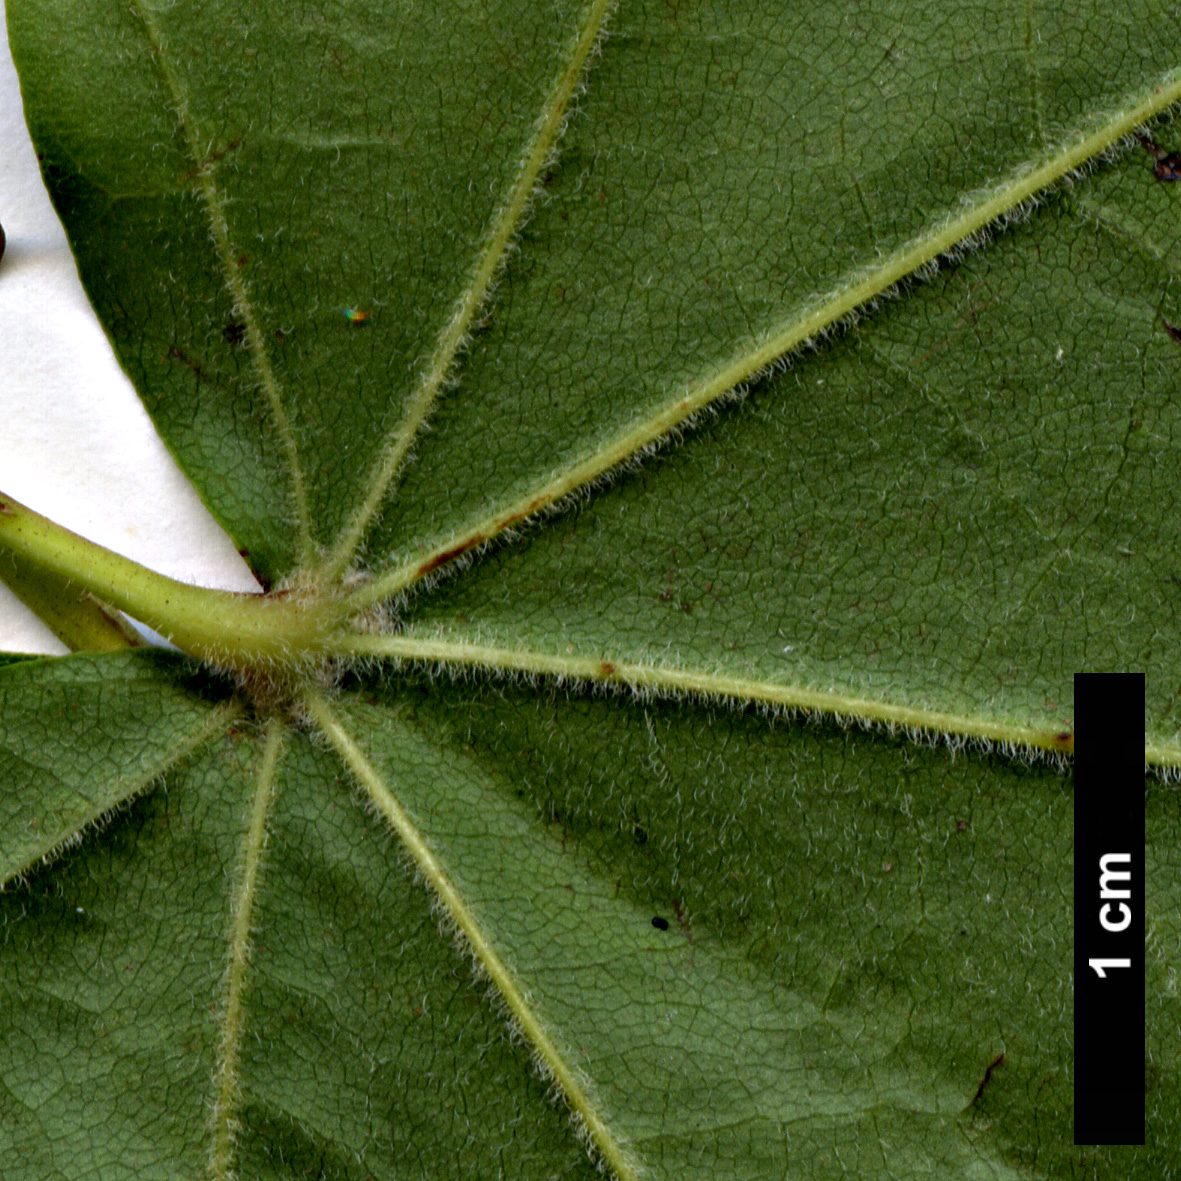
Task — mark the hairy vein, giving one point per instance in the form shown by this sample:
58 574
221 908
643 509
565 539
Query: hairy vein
528 1021
504 225
976 213
671 680
223 1120
203 166
1162 758
45 845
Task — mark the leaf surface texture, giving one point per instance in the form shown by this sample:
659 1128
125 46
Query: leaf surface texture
928 255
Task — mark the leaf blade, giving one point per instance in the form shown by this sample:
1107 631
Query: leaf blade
82 737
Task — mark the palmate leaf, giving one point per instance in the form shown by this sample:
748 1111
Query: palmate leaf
390 921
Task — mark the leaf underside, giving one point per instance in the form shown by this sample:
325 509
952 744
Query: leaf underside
767 945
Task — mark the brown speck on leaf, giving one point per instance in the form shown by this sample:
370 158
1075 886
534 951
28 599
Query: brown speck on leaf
1167 166
1172 330
206 165
999 1060
449 555
179 355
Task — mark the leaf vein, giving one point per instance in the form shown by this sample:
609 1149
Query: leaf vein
768 352
243 306
505 224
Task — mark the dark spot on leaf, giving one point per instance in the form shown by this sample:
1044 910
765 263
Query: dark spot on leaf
211 159
641 834
660 924
606 668
234 332
449 555
1167 166
179 355
997 1061
1172 330
1063 741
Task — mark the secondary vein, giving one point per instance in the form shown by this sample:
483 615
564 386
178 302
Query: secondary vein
460 913
227 1097
216 722
976 213
505 223
236 284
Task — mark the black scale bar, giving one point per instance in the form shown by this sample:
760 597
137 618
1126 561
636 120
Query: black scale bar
1109 908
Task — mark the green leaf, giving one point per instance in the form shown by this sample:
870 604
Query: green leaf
81 738
717 825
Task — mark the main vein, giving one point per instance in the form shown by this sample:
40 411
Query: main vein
226 1099
669 679
460 913
976 213
236 284
504 225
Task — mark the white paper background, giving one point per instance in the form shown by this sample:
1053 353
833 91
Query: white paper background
76 444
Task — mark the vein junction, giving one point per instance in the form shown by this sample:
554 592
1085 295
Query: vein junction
505 223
